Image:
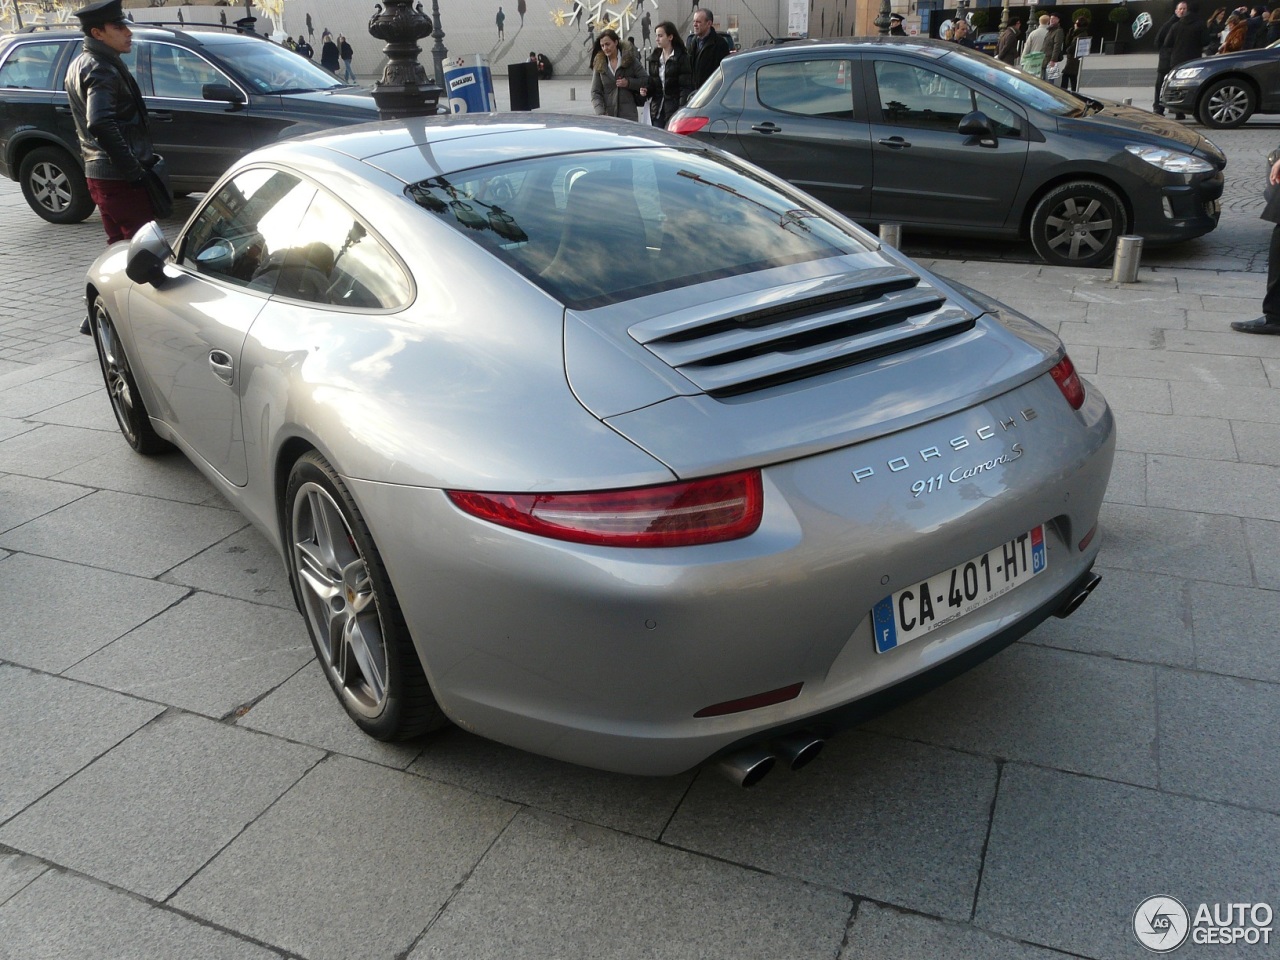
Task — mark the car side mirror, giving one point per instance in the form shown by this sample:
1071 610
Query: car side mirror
222 92
148 251
976 125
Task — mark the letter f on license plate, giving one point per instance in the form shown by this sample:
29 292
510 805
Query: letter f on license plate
903 616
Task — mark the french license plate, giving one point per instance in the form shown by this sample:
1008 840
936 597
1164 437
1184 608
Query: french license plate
923 607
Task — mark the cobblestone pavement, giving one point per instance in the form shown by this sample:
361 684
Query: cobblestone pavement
177 781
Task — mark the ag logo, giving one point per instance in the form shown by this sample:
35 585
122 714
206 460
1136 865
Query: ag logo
1161 924
1141 25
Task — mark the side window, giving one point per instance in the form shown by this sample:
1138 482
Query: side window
242 234
180 74
1004 122
813 88
30 66
917 97
337 261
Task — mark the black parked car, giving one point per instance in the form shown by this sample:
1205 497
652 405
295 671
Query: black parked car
1226 90
212 97
943 139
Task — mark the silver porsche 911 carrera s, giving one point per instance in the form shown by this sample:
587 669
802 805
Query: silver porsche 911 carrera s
600 443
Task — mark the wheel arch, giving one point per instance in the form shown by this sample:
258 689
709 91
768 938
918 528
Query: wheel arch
1088 176
24 143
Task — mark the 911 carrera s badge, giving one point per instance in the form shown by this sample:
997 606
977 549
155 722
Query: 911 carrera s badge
955 444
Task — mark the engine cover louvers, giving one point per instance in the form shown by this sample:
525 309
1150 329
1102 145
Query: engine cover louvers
888 311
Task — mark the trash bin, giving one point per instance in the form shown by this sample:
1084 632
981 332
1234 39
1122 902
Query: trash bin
522 81
470 86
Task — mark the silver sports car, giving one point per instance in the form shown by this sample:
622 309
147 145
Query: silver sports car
598 442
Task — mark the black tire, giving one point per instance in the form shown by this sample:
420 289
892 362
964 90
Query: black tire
350 608
1076 224
54 185
1226 103
122 389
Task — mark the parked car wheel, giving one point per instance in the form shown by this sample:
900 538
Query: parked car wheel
351 611
126 402
1077 223
1227 103
54 185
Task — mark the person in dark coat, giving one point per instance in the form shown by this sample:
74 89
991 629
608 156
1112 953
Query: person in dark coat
346 53
1185 41
1164 49
1007 45
1071 67
895 25
304 48
670 77
1269 322
329 55
707 49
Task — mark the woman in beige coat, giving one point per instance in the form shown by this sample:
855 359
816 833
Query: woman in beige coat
618 78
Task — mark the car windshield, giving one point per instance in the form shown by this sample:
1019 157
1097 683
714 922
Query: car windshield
270 68
598 228
1012 82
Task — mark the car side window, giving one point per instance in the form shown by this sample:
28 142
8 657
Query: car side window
243 233
30 66
336 260
917 97
813 88
180 74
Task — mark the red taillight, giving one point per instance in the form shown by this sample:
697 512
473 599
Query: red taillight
1068 381
688 125
673 515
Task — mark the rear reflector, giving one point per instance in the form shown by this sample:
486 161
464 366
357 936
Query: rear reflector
781 695
710 510
1088 537
1068 381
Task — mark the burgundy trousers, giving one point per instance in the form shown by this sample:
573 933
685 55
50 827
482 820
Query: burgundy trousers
125 206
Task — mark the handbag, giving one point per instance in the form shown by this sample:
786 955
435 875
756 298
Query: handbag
156 181
646 114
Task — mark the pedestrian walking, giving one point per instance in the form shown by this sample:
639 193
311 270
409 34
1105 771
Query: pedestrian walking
1269 322
618 78
1007 45
305 49
895 25
111 121
1033 51
346 54
329 55
707 49
1071 65
670 76
500 19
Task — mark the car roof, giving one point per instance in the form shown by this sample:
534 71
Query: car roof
196 34
419 148
923 46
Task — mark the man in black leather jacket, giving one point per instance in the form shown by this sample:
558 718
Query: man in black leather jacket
111 121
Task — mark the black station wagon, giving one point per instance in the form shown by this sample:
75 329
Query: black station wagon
212 96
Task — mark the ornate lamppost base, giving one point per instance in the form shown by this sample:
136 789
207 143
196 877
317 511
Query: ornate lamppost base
404 90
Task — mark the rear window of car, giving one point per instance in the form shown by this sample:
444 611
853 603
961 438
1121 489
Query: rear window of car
598 228
30 66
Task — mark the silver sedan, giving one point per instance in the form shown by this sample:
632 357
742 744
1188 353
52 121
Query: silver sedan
600 443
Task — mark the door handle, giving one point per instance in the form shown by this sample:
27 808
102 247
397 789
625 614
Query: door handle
165 116
222 366
766 127
894 143
61 109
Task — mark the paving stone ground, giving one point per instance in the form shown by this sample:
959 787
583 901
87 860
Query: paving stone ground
176 780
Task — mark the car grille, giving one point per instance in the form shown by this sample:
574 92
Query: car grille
886 311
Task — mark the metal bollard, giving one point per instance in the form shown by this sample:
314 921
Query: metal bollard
1124 269
891 235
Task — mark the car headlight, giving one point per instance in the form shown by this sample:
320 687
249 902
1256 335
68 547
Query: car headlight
1170 161
1187 73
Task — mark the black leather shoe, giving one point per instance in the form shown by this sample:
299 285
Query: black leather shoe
1261 325
1179 116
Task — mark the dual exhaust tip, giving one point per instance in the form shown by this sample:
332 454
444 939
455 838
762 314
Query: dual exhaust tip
750 765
